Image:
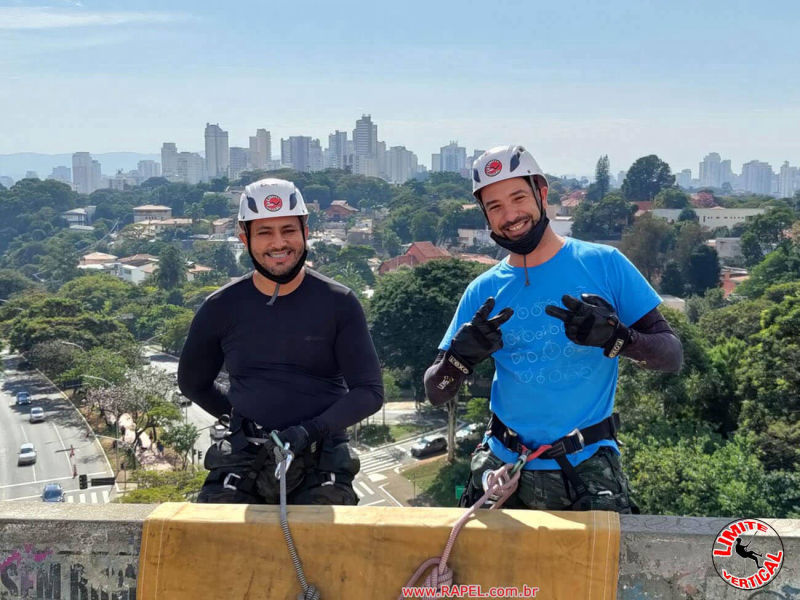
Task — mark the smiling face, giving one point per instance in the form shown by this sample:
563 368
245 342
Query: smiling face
277 244
511 207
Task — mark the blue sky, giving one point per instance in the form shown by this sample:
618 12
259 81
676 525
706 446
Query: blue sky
569 80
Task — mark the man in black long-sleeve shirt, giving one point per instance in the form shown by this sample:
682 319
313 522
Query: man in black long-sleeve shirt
555 317
299 357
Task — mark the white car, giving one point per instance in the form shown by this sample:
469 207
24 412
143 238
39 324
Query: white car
473 430
27 454
218 432
37 414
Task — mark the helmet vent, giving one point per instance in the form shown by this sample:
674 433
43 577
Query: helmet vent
514 162
292 201
251 204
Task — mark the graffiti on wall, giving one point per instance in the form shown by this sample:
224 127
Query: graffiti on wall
34 574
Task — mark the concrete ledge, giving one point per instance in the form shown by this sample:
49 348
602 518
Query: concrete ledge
80 552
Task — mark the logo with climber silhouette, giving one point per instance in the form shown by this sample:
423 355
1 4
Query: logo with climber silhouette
748 554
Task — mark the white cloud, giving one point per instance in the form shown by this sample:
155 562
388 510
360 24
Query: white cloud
42 17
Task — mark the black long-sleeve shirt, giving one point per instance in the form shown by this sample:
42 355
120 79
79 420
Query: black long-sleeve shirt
307 359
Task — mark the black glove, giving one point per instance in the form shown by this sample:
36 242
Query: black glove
477 340
297 436
592 321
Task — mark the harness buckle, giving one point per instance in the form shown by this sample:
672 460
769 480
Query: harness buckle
560 448
288 457
226 482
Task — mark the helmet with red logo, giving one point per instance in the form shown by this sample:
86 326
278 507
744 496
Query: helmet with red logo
269 198
505 162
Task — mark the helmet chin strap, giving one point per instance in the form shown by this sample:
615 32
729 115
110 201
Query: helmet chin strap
278 279
528 242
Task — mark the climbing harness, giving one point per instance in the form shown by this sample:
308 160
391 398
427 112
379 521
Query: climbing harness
283 458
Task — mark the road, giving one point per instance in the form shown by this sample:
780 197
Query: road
62 428
191 413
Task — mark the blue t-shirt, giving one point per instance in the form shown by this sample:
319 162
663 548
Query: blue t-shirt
544 385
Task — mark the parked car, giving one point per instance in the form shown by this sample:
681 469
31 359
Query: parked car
430 444
53 492
218 432
473 430
27 454
23 397
37 414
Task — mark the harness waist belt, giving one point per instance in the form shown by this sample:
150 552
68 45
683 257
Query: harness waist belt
575 441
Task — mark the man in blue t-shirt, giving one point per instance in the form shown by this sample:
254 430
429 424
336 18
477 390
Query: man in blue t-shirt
566 310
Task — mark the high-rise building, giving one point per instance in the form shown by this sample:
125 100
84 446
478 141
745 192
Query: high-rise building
621 178
710 171
725 173
436 163
787 180
365 143
217 151
62 174
82 172
97 176
260 149
337 154
453 157
296 152
757 177
148 169
190 168
238 161
401 164
315 162
169 160
475 155
684 179
31 175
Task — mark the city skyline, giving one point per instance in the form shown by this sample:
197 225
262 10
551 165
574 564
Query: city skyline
585 81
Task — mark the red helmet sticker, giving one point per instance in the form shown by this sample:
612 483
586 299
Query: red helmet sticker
493 167
273 203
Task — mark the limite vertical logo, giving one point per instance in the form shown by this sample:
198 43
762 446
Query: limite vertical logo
748 554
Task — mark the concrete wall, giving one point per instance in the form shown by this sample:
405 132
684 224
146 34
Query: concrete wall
80 552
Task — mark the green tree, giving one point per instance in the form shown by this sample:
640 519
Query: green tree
411 309
646 178
702 272
780 266
181 438
603 221
171 271
478 410
12 282
175 331
423 227
671 197
672 280
645 244
601 184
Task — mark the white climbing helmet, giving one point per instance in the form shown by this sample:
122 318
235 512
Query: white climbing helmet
269 198
505 162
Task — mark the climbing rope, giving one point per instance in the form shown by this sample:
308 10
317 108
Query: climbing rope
499 484
284 457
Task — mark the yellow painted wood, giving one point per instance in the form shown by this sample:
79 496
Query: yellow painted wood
194 551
